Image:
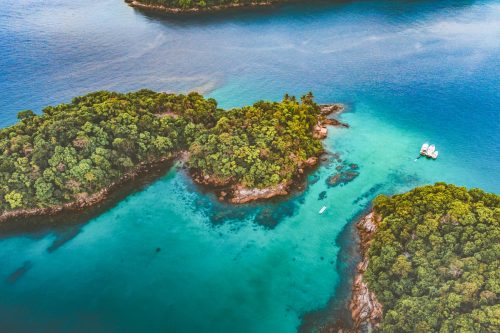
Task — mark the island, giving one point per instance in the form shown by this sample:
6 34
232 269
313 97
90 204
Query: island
198 6
74 155
430 262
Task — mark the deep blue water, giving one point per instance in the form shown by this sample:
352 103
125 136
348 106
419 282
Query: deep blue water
409 71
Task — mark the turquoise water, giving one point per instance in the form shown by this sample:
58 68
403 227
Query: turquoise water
409 72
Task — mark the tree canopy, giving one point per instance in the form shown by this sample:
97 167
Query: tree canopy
73 150
434 260
206 4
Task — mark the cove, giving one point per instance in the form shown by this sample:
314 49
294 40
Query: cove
259 267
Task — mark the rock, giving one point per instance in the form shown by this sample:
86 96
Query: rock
342 178
320 132
311 161
334 122
327 109
365 309
244 195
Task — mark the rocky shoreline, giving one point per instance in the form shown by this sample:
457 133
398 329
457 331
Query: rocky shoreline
238 194
174 10
235 194
87 201
365 309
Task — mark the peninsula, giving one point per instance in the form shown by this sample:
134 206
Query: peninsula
73 155
430 262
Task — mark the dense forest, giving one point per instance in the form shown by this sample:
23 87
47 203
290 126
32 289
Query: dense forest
206 4
434 260
73 150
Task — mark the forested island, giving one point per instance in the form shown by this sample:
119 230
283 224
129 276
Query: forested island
194 6
72 155
431 262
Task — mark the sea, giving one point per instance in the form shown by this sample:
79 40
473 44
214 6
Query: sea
169 257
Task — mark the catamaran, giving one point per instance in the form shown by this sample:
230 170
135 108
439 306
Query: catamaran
429 151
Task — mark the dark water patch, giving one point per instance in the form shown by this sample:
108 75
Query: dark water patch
244 14
369 194
267 213
336 314
313 179
345 174
400 179
18 273
322 195
64 236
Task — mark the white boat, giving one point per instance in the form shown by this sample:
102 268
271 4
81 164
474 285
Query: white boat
424 148
428 151
322 210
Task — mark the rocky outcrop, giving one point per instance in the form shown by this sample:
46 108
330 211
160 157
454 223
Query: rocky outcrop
243 195
365 309
328 109
334 122
320 131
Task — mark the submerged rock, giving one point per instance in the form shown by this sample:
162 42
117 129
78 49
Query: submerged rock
322 195
342 178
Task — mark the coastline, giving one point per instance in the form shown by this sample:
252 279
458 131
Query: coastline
238 194
233 193
196 10
366 310
83 209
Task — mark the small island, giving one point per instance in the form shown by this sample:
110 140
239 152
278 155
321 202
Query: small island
198 6
74 155
430 262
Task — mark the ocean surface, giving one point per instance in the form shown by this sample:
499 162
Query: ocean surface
170 258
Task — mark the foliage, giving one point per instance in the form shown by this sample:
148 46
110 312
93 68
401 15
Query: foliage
259 145
201 4
73 150
434 261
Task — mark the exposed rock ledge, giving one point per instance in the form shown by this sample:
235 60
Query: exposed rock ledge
243 195
365 309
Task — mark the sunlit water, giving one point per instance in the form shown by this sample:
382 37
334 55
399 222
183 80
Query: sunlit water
409 72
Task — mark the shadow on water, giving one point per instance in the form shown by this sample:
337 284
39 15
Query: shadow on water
18 273
67 225
299 9
336 314
268 213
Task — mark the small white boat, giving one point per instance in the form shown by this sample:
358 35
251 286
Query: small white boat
431 150
322 210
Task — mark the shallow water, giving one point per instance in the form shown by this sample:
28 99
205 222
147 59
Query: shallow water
409 72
